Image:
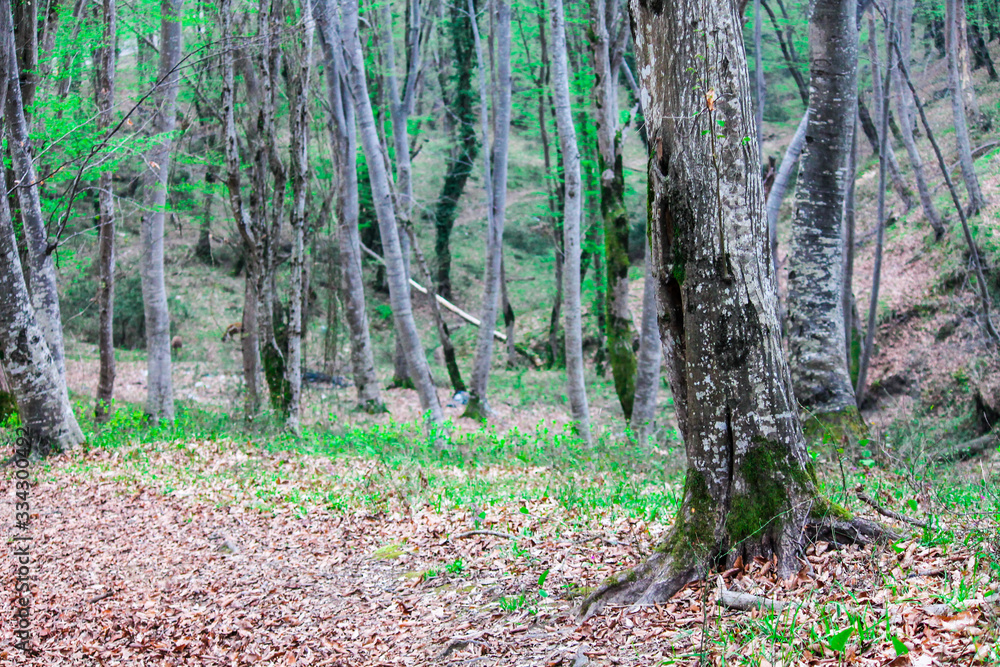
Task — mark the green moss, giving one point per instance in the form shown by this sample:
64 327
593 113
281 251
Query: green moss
389 551
824 507
694 530
766 470
8 405
833 427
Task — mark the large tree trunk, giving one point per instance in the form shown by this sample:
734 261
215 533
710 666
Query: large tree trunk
904 109
343 142
399 292
750 490
41 273
607 43
478 406
956 85
160 398
40 389
299 123
105 89
572 217
816 273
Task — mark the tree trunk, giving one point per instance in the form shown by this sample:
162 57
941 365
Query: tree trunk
160 399
788 51
478 405
299 123
464 151
957 44
250 342
343 142
847 296
904 107
41 274
750 489
955 84
508 317
572 215
816 268
399 292
106 63
647 383
898 182
606 48
40 389
26 45
780 186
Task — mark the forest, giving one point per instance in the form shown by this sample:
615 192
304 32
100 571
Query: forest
500 332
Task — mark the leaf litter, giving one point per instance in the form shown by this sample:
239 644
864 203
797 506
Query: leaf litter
217 552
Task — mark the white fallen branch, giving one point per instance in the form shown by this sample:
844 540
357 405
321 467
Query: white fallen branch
747 602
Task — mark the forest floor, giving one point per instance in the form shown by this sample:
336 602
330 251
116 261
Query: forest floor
201 551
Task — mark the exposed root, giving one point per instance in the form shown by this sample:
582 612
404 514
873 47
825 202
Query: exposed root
747 602
656 580
840 532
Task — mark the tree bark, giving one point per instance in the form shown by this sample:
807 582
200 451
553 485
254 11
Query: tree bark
160 399
956 86
758 63
399 292
749 490
40 389
299 123
478 405
26 44
904 109
343 142
572 216
820 378
106 63
606 40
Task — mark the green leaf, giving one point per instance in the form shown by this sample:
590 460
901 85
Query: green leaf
839 641
541 579
912 504
524 510
898 547
900 647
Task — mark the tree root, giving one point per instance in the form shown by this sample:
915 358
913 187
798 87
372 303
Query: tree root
895 516
747 602
841 532
661 576
655 580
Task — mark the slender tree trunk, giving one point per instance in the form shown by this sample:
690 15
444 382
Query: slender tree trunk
26 45
955 84
904 108
647 383
780 186
958 45
250 342
106 63
749 490
508 317
816 271
898 182
788 51
478 406
866 350
300 172
38 384
847 297
606 50
343 142
462 114
572 215
977 265
399 292
160 399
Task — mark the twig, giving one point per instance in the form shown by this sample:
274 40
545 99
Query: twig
896 516
747 602
103 596
470 533
969 448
